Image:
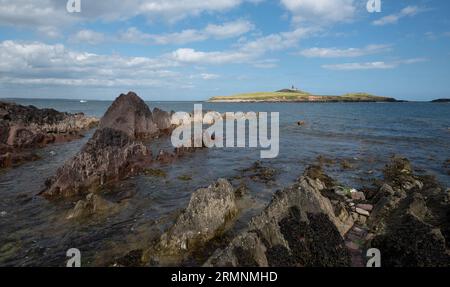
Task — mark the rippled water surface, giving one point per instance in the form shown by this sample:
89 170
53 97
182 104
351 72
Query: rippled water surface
34 231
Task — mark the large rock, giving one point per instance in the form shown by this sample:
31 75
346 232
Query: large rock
207 215
114 152
131 115
110 155
298 228
25 128
162 119
411 219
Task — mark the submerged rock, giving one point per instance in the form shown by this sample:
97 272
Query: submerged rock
206 216
298 228
261 173
92 205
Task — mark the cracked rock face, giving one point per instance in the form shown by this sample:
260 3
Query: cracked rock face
23 128
130 115
206 216
113 153
110 155
298 228
411 219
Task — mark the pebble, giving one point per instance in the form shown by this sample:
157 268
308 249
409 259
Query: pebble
351 245
367 207
362 212
370 236
357 229
358 195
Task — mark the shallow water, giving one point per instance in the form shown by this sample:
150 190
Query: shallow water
34 231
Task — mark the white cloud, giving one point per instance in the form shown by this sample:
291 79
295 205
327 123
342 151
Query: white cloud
380 65
408 11
88 36
320 11
223 31
265 63
175 9
229 29
245 52
189 56
39 63
205 76
33 14
344 53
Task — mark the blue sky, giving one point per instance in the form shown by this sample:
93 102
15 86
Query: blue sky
192 50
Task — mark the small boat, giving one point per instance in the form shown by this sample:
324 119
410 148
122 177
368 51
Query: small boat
83 101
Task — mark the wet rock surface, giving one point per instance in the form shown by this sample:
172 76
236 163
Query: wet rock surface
411 219
207 215
25 128
93 205
298 228
116 150
130 115
261 173
110 155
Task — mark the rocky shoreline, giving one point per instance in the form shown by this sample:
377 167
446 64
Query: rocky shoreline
313 223
316 221
26 128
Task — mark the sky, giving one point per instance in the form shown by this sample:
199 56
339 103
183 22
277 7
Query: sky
181 50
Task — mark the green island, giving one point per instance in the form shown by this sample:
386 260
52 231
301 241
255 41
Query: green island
294 95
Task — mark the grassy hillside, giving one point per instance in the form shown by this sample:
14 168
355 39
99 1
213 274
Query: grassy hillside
299 96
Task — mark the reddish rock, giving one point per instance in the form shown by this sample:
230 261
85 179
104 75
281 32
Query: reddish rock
23 129
131 115
115 152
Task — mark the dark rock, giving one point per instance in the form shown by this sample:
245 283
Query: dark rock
23 129
115 152
155 172
165 157
110 155
316 172
412 243
207 215
410 219
345 164
131 259
441 101
399 174
131 115
162 119
92 205
290 232
261 173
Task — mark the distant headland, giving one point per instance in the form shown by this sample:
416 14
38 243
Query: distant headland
441 101
295 95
